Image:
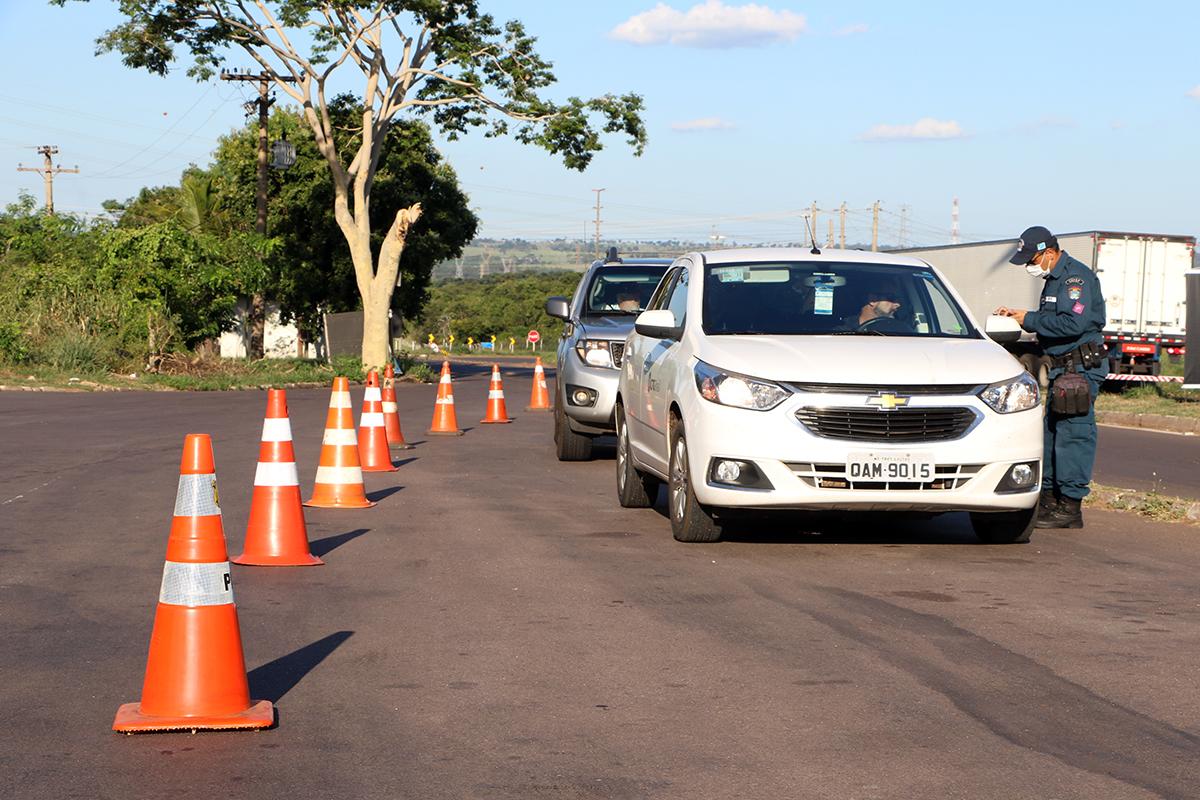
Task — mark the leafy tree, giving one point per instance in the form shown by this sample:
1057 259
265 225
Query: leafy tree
313 269
444 58
504 305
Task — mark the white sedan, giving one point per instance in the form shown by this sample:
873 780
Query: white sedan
841 380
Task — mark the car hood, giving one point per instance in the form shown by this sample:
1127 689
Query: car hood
861 359
615 327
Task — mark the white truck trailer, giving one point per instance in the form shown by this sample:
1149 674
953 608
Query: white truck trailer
1142 276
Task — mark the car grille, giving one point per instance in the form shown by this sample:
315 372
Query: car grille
617 349
921 424
833 476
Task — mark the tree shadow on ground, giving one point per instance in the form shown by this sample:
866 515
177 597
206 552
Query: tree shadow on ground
320 547
276 678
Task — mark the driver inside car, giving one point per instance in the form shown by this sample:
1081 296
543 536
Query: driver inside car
878 312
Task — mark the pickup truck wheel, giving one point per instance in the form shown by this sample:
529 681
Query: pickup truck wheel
690 521
1007 527
635 489
569 445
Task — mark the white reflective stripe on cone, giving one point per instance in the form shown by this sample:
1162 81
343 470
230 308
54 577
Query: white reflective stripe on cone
372 393
372 419
445 401
388 407
197 496
277 430
445 379
276 474
496 394
340 436
336 475
340 400
196 584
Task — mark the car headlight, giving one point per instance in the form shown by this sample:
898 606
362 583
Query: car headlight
739 391
1017 394
594 353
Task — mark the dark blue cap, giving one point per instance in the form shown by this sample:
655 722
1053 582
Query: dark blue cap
1033 241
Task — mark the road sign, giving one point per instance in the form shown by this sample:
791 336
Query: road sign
533 337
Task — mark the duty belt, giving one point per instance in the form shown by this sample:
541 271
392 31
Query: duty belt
1071 358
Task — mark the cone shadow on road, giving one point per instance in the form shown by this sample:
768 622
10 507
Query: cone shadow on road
320 547
400 462
380 494
276 678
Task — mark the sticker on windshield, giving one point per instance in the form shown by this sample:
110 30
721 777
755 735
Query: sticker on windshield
732 274
823 301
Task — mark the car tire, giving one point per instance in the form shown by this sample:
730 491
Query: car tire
635 489
569 445
690 521
1006 527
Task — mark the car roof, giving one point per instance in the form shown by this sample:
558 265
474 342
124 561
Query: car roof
635 262
741 255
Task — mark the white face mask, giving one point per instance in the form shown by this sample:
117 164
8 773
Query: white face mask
1035 271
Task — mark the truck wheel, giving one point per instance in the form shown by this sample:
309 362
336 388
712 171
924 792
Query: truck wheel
690 521
635 489
1029 362
1042 373
569 445
1006 527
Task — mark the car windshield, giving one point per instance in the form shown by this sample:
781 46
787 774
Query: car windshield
622 290
805 298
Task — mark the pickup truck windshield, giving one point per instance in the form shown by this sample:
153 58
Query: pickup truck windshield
803 298
622 290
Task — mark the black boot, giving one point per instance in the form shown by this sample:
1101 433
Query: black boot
1047 503
1067 515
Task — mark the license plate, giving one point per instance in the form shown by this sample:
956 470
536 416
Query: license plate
905 467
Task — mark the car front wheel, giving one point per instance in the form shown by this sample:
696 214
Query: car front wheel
690 522
1006 527
569 445
635 489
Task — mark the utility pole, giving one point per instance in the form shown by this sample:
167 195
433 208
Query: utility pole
814 222
954 223
263 106
829 240
842 215
598 207
875 227
904 226
48 171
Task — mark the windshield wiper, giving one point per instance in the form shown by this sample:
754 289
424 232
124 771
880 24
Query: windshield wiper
859 332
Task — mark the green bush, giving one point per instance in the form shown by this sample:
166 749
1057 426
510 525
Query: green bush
14 348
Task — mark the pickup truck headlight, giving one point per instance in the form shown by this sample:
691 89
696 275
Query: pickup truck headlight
594 353
739 391
1017 394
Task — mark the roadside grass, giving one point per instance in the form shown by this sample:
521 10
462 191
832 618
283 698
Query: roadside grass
549 356
1151 504
1169 399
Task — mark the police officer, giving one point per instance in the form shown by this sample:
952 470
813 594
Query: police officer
1069 324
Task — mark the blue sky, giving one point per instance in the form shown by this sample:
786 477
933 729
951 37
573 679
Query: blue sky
1029 113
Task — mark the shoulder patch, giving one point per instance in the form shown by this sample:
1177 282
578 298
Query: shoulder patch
1074 292
1074 280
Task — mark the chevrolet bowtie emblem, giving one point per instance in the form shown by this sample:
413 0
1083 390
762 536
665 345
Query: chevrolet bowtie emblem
888 401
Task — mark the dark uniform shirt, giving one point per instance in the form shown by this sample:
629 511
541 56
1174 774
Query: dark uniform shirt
1072 308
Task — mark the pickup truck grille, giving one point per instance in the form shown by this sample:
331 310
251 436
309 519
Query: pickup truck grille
617 349
902 425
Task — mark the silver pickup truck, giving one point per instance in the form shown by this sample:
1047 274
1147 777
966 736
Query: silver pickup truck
598 317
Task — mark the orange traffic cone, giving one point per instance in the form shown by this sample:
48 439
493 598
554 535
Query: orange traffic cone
276 535
445 421
391 414
539 398
496 412
372 438
339 482
195 672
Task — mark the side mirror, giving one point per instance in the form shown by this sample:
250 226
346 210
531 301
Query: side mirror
1002 330
658 324
559 307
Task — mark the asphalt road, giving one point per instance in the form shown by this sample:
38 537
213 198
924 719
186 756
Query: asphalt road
497 627
1168 463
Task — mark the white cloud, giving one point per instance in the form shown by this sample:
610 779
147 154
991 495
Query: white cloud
711 24
703 124
850 30
1194 91
924 128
